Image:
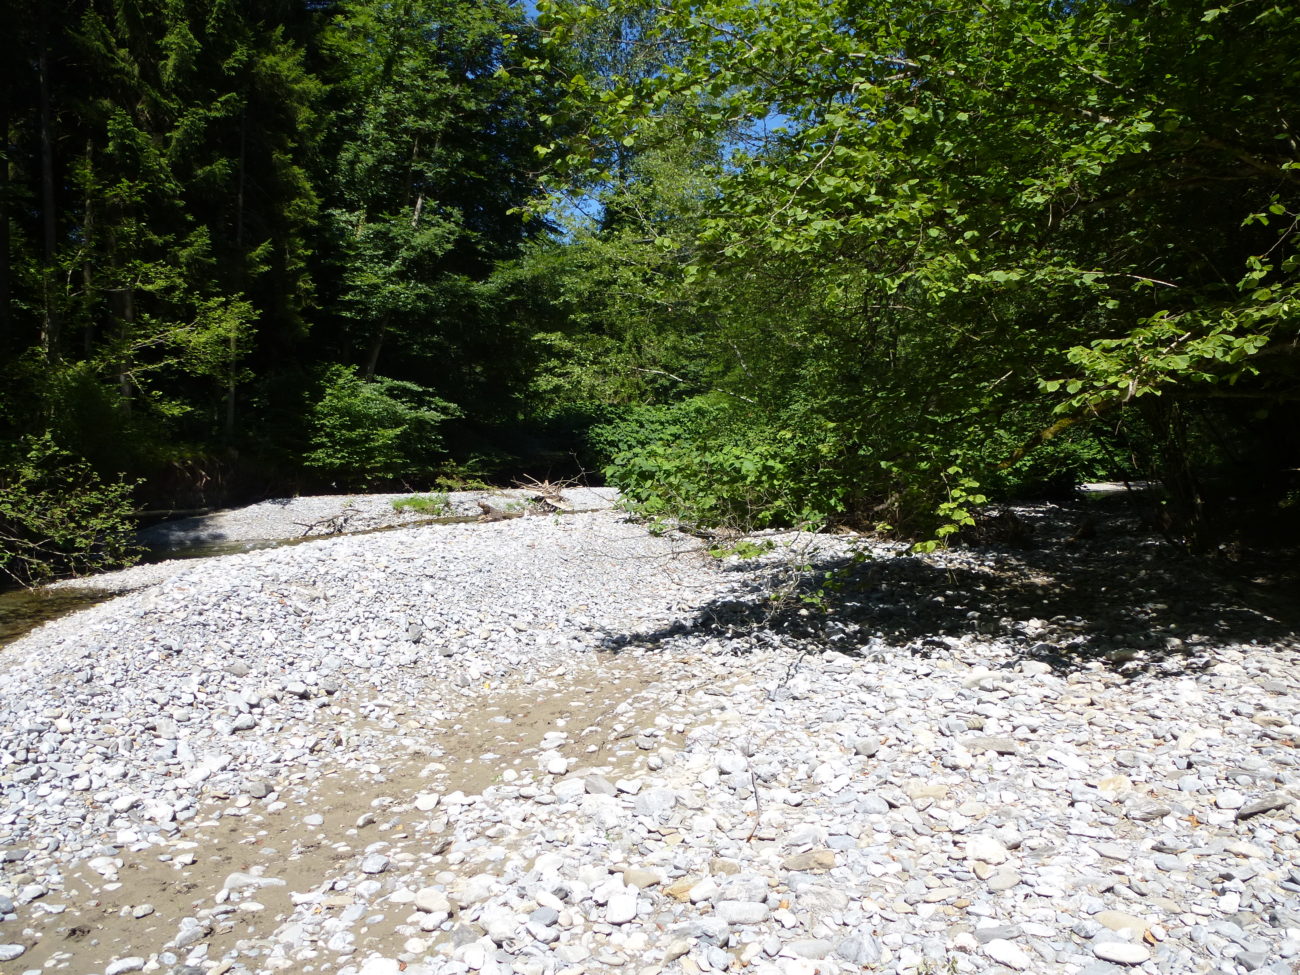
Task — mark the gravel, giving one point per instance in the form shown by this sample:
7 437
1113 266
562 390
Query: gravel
561 744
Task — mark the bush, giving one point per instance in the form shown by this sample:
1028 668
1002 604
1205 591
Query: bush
378 430
57 517
707 464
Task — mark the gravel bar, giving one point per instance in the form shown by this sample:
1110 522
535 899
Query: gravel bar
562 744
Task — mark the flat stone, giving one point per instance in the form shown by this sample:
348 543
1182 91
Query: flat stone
980 744
815 861
430 900
642 879
133 963
1113 851
544 915
1230 799
572 954
1263 804
374 863
427 801
940 894
10 952
544 933
986 849
681 889
1121 952
740 912
1008 953
1003 880
813 948
917 789
1146 813
1120 921
706 890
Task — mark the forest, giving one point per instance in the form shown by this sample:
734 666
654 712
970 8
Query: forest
758 263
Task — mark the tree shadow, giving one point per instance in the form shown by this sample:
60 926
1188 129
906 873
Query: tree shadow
1109 594
180 534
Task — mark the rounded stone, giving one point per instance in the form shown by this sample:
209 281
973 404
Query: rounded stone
1121 952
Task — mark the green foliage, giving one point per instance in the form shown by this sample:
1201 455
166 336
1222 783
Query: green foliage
430 148
935 230
743 549
433 505
57 517
460 476
808 261
188 188
694 462
381 430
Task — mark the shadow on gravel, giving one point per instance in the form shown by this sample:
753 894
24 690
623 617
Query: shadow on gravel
1117 596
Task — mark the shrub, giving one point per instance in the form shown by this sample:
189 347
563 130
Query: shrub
426 504
57 517
702 462
377 430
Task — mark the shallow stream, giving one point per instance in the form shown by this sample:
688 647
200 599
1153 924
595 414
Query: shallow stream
22 610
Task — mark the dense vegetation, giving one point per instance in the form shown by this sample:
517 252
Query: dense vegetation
772 262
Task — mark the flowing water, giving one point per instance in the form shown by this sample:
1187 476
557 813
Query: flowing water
25 609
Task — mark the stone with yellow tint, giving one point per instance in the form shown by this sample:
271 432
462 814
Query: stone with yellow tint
1119 921
1115 785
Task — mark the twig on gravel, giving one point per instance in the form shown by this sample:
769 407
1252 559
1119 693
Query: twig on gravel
758 808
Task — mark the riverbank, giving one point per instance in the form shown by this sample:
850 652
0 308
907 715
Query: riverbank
349 514
560 744
273 524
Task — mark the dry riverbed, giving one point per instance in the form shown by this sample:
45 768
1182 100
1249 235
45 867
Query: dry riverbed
559 744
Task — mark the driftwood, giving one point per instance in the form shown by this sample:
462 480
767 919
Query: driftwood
333 525
496 514
549 495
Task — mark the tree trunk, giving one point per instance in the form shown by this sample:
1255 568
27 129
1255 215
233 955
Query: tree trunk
50 321
231 382
88 261
372 357
126 316
5 323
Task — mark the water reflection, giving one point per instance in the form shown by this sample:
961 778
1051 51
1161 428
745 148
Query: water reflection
22 610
